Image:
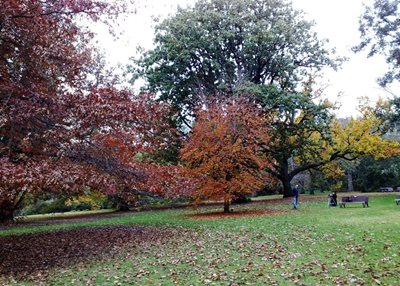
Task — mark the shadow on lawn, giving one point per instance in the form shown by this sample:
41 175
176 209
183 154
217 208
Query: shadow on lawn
27 255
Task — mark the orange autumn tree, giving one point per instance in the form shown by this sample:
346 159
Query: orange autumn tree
223 153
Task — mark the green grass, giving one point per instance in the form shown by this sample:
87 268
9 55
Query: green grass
311 246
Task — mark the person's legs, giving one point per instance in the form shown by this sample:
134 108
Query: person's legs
294 201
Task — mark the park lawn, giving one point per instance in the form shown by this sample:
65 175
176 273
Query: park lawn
311 246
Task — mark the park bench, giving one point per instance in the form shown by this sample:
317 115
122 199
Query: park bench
354 200
397 200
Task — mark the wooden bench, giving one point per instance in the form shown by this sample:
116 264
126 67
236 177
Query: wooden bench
397 200
354 200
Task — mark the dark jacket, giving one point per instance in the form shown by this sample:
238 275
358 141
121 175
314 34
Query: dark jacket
295 192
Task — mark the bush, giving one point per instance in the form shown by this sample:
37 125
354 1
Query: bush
45 206
91 200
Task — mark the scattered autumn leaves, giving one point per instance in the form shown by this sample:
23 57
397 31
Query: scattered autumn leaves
246 213
30 254
261 251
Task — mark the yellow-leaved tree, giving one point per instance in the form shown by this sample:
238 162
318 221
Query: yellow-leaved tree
361 136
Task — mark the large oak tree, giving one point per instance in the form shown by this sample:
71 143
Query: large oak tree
217 46
305 135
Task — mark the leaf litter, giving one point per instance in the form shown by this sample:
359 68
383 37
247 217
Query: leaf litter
33 254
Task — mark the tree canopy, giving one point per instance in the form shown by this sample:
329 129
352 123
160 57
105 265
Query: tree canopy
299 128
380 34
372 174
59 131
223 154
217 46
305 135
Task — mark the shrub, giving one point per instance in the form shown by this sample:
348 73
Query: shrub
90 200
45 206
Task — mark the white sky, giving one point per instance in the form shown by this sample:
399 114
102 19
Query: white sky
335 20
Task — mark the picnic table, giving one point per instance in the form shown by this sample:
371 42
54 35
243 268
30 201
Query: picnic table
363 200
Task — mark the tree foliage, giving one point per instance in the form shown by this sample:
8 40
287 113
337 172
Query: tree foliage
380 34
299 127
223 155
59 131
97 146
352 141
362 136
305 136
220 48
217 46
372 174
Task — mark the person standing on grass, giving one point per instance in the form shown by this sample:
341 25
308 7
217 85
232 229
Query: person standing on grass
295 197
333 199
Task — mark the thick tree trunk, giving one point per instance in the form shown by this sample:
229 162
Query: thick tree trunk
227 206
285 179
6 211
287 188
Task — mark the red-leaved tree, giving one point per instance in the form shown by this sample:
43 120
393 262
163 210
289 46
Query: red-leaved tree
223 155
59 130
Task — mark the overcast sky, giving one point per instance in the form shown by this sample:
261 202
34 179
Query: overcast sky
335 20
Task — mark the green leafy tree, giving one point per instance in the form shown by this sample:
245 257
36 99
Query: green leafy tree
371 174
304 136
300 130
380 34
217 46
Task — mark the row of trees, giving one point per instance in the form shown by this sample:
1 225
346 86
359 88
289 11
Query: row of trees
235 104
268 50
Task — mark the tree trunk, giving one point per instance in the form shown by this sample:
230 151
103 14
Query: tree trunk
227 205
6 211
287 188
285 179
350 187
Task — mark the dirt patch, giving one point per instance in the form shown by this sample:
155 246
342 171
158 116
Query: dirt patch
246 213
24 256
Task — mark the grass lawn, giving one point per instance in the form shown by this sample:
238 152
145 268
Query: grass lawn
315 245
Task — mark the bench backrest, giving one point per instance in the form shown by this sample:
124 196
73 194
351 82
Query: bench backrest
350 199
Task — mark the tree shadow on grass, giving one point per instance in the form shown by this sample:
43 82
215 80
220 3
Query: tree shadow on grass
24 256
